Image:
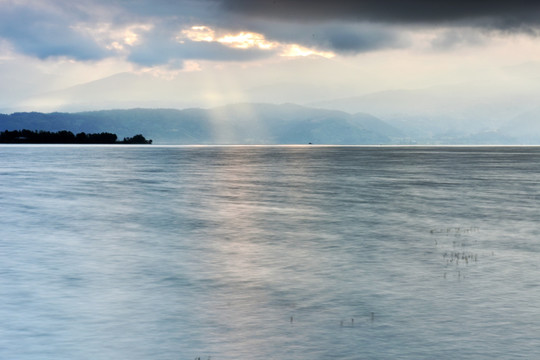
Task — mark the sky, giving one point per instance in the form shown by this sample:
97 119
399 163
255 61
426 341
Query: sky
80 55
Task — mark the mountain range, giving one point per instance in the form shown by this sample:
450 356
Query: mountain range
259 123
499 109
231 124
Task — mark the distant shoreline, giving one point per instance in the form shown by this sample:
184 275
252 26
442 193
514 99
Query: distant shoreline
67 137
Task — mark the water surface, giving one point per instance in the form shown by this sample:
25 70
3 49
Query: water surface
286 252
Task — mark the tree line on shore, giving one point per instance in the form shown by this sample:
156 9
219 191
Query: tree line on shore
66 137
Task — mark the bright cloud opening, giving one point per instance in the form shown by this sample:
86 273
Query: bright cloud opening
114 38
297 50
247 40
197 33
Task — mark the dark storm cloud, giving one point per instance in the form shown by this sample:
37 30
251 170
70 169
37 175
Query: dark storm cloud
498 13
350 39
343 38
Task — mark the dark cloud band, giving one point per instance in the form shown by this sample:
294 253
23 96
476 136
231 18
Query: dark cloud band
482 12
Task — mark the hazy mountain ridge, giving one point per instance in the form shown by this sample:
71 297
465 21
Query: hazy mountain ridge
261 123
476 112
231 124
500 109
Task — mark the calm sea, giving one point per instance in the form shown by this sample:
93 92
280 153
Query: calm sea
293 252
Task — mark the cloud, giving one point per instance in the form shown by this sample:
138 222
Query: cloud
174 54
161 46
454 38
355 39
340 38
146 32
498 13
187 9
44 32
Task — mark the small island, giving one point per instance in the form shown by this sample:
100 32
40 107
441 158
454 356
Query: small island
66 137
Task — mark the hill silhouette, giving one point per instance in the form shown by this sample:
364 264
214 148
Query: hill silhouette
66 137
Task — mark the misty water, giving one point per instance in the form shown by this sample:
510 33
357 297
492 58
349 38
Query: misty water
246 252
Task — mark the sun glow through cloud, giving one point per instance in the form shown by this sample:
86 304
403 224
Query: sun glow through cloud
248 40
297 50
245 40
197 33
114 38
